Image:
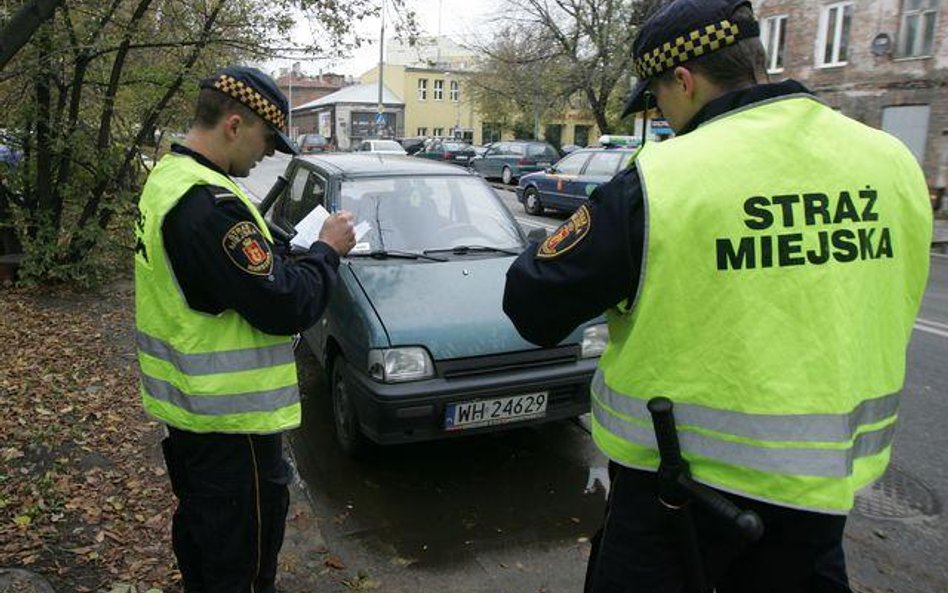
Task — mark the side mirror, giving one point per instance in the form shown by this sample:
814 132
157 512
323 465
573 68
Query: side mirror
551 170
536 235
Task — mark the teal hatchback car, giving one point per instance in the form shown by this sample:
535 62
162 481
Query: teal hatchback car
415 342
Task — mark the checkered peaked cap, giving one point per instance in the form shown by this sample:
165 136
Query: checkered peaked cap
259 93
680 31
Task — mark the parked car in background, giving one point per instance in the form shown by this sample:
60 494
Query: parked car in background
413 144
10 154
567 184
480 150
449 151
415 342
312 143
510 160
382 147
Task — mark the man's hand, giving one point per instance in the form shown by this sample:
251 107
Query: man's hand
338 232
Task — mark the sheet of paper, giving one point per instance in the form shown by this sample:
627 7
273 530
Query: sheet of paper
307 230
361 229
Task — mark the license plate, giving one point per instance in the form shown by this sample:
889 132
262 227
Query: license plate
460 158
487 412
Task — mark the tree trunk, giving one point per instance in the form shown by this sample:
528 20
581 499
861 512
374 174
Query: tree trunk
23 25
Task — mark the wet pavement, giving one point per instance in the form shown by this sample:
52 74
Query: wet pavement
505 511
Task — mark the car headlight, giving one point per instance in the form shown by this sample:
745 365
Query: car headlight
395 365
595 338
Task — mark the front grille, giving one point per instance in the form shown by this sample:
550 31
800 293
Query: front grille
499 363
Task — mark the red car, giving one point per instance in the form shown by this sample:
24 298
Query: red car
310 143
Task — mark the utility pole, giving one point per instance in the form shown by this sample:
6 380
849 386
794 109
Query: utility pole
379 119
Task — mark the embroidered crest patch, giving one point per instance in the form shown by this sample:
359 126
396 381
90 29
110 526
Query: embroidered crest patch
248 249
569 235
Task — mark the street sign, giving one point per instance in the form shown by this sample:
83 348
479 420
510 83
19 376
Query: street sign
379 119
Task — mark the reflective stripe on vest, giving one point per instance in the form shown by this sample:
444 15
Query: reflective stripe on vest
200 372
816 428
797 461
221 404
210 363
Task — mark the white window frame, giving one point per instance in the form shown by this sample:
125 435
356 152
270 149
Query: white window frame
771 30
437 132
455 92
438 91
422 131
918 51
422 89
837 34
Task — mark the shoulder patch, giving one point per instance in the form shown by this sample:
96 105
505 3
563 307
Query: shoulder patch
248 249
570 234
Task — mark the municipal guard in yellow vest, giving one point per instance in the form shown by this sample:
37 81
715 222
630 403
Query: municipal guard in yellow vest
216 306
762 270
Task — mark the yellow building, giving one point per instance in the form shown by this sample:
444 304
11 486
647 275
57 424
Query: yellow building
437 101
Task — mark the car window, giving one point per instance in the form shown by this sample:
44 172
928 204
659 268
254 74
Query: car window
572 164
306 192
492 150
456 146
541 150
365 147
517 149
604 163
429 212
388 145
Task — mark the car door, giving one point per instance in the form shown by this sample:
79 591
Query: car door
562 179
306 189
487 164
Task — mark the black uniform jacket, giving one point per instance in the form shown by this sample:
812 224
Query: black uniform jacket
598 263
222 261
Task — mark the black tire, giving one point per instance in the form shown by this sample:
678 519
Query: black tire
345 418
531 202
507 176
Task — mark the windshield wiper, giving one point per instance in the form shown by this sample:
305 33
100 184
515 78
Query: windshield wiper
465 249
386 253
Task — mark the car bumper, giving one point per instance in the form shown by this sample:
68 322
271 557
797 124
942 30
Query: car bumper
411 412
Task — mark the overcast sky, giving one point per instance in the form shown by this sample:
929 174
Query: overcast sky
462 20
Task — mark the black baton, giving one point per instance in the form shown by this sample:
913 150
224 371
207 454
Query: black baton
677 490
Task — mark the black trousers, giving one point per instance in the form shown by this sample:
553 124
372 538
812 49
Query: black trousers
232 503
638 548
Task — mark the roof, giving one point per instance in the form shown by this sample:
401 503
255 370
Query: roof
349 164
358 93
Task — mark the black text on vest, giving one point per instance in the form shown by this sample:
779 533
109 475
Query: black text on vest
846 232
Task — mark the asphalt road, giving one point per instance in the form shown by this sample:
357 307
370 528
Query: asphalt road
514 511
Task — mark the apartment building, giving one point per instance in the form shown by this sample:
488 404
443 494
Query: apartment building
882 62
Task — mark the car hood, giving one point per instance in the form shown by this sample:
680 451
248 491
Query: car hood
453 308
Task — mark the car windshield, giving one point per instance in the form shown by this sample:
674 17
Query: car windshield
313 139
455 146
388 145
433 212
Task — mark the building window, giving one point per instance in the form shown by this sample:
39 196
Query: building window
917 36
437 132
455 93
581 136
439 90
775 42
422 132
908 123
422 89
833 39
